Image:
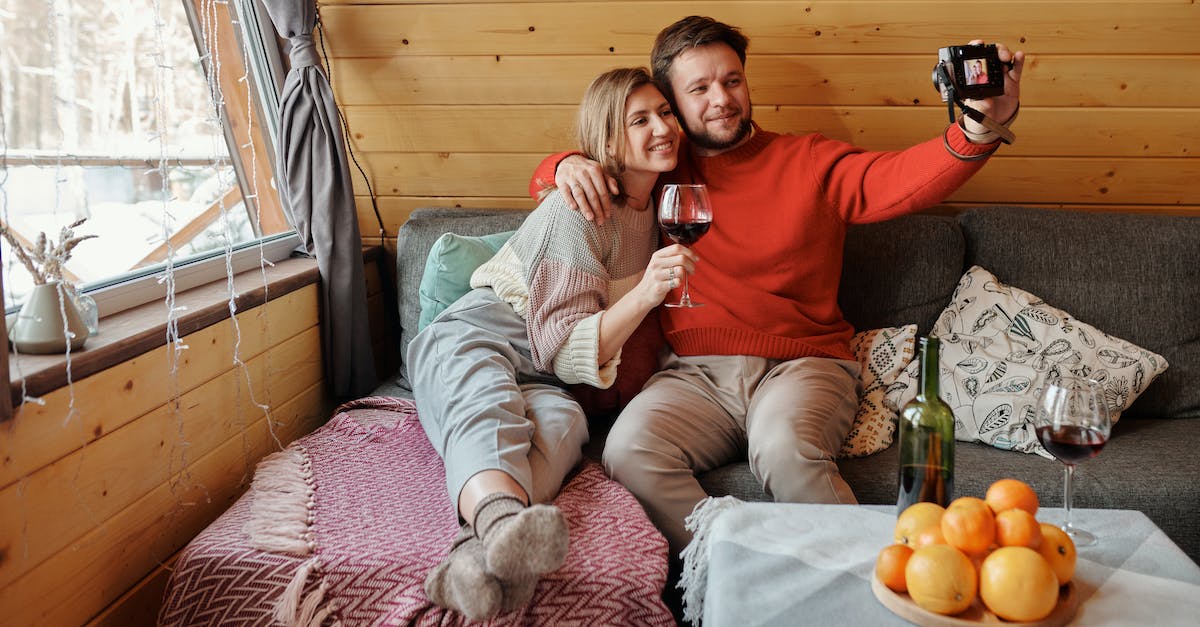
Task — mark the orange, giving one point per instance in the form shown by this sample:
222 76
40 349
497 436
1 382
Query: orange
969 525
1009 493
1017 527
1017 584
889 566
929 535
914 519
941 579
1059 550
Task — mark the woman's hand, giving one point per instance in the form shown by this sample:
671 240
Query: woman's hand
665 272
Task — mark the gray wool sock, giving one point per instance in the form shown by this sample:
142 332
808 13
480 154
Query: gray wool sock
520 542
517 593
461 582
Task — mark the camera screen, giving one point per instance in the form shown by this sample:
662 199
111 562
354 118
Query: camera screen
975 71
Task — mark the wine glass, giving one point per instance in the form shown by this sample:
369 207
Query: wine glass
1073 425
685 214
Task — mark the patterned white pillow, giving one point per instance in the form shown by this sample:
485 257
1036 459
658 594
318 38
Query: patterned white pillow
999 346
883 354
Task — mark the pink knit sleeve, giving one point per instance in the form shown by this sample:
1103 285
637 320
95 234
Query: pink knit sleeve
560 297
568 282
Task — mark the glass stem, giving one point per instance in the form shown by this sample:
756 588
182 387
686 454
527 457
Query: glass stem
1068 477
685 299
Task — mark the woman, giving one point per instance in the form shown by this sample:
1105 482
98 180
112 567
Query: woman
553 307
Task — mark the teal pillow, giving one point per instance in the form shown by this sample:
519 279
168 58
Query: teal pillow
452 259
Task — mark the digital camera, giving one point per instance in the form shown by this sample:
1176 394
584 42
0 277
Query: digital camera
974 71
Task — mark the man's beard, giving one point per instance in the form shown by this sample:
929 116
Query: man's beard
706 140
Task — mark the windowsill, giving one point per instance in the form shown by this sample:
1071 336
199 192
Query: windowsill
127 334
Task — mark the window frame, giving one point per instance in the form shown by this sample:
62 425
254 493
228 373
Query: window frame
130 293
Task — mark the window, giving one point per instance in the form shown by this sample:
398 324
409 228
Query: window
107 116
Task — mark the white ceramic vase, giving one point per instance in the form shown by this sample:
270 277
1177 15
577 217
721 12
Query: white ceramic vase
38 327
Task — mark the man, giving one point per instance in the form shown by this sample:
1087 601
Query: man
764 369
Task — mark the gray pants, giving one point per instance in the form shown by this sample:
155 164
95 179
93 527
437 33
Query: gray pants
485 407
699 413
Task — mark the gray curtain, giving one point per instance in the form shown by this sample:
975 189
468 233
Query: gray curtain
316 191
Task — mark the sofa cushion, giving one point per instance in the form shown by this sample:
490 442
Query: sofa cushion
901 271
1134 276
1001 344
452 260
883 354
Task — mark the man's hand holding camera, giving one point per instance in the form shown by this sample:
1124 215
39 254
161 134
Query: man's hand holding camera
986 79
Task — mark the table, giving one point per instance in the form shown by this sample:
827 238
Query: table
786 564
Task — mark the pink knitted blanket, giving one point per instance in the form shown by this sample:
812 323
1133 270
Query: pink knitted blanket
356 513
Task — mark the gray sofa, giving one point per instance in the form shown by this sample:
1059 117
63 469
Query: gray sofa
1135 276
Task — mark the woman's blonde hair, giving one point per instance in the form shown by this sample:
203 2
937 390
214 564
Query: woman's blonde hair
601 125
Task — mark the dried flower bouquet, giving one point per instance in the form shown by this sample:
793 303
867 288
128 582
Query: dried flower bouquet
45 259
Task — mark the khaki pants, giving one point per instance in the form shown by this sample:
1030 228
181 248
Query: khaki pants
699 413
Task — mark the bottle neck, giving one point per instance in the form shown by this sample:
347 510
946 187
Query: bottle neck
929 367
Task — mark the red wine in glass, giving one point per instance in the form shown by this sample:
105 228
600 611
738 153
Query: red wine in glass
686 233
684 212
1072 423
1071 444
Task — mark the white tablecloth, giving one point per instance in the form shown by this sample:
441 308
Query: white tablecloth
787 564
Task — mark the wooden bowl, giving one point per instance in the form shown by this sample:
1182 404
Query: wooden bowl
903 606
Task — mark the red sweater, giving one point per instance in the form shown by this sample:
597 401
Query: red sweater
771 263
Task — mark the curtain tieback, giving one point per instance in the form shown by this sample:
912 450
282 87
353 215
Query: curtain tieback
303 52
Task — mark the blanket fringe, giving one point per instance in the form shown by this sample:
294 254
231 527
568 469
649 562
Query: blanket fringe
322 613
281 513
296 609
281 504
694 578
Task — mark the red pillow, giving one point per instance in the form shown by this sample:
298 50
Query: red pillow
639 360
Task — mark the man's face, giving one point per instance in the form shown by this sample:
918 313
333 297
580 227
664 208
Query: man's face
712 98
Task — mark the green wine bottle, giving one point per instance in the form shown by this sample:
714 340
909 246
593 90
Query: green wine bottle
926 439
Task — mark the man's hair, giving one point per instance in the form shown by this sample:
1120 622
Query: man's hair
691 32
601 124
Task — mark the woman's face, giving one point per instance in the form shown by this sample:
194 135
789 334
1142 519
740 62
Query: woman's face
651 133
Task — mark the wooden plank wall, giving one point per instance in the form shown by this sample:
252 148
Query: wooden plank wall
455 102
105 482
